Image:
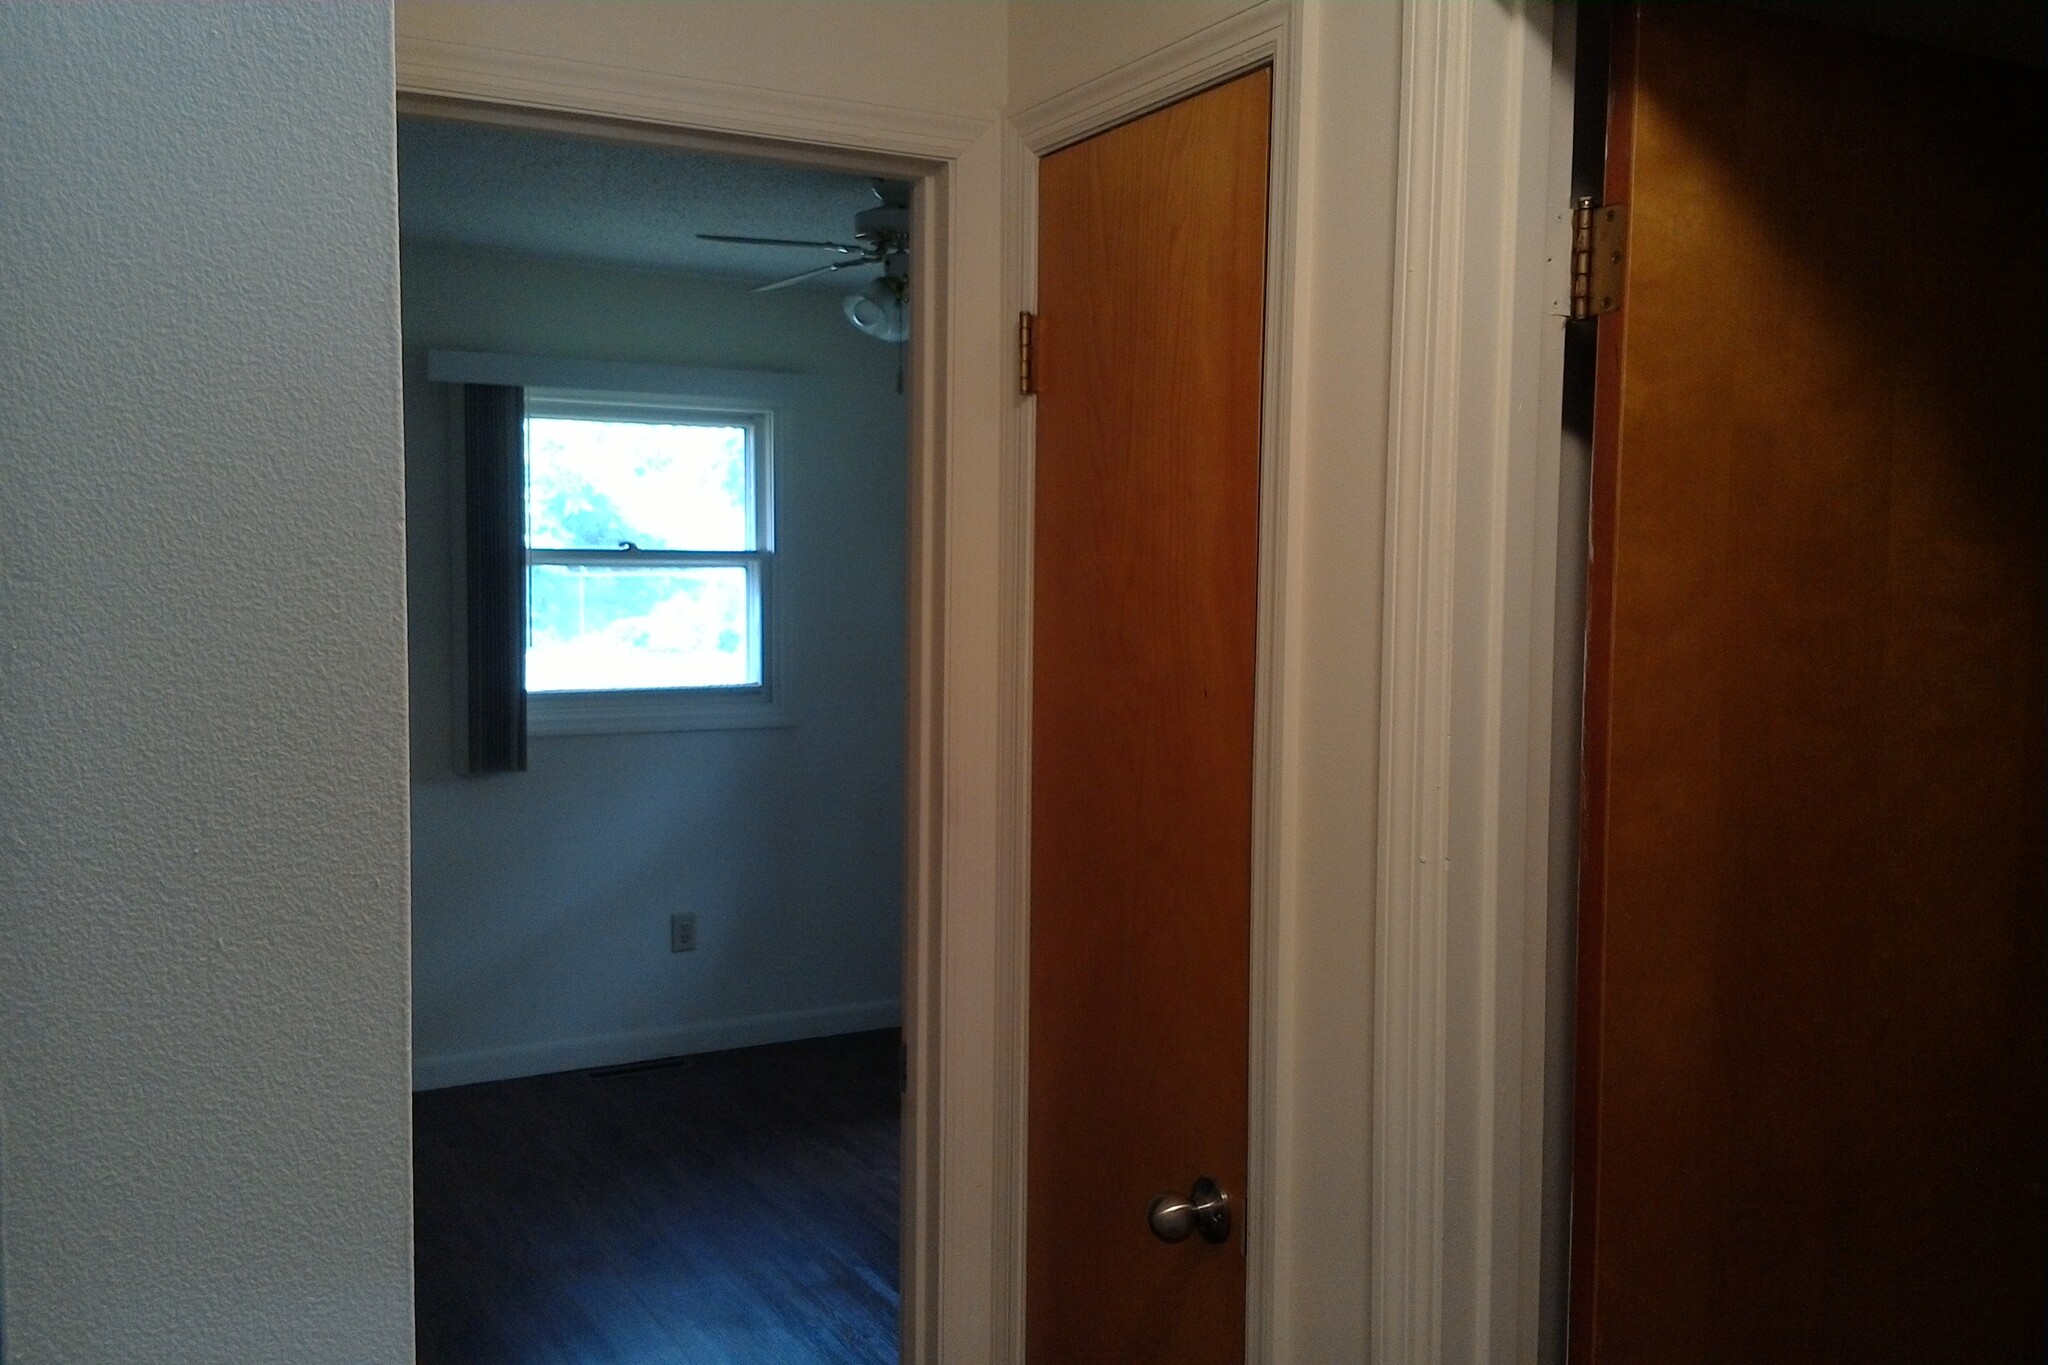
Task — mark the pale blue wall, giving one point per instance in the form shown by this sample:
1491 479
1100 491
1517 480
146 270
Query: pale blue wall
203 942
541 899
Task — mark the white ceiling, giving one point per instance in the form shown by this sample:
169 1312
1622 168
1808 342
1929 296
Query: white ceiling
617 203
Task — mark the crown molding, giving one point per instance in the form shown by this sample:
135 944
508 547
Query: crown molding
463 71
1228 47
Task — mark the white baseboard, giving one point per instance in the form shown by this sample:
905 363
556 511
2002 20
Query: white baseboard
435 1072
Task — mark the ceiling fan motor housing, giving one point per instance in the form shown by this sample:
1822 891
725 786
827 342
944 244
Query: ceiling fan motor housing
886 226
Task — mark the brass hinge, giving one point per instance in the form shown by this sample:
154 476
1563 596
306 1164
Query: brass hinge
1027 358
1599 254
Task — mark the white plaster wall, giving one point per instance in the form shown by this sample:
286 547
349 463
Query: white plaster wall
1055 45
203 946
937 56
541 899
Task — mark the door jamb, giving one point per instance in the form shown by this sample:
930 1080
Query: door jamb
1479 721
942 1200
1265 35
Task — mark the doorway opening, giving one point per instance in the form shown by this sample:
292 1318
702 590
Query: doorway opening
659 743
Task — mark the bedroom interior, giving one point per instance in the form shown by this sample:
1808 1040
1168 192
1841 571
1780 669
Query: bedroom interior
657 932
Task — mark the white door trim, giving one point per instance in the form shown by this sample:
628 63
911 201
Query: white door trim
528 80
1266 34
954 378
1468 1075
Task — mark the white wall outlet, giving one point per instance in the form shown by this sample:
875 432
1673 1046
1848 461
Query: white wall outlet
682 933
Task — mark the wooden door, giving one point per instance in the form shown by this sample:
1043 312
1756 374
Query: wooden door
1151 304
1812 1077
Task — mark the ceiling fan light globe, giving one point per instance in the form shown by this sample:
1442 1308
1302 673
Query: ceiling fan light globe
879 311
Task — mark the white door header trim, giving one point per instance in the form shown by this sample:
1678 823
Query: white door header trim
563 85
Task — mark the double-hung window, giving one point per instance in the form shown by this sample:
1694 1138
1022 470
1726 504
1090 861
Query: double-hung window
649 539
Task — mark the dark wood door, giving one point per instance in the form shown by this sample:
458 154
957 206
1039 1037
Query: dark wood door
1812 1078
1151 304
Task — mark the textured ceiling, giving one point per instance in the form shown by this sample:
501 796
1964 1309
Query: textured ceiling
542 194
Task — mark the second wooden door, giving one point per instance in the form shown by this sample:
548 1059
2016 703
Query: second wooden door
1151 270
1813 1085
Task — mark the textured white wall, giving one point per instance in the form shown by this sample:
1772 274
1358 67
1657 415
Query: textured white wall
541 899
203 1030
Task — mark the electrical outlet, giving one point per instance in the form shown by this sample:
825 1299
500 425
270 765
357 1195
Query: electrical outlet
682 933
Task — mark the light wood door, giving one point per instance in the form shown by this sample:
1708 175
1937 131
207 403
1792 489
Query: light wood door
1151 304
1813 1086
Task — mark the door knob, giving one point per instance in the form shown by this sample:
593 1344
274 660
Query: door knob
1204 1209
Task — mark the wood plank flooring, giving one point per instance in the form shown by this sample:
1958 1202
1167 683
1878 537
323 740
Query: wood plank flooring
734 1208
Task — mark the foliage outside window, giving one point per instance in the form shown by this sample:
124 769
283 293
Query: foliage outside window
648 548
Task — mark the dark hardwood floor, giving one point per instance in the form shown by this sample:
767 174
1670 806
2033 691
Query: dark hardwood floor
734 1208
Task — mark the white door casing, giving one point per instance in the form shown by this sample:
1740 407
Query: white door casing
952 160
1479 720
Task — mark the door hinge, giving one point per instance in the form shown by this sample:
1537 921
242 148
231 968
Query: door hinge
1599 254
1027 354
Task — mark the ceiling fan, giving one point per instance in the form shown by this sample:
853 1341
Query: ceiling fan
881 236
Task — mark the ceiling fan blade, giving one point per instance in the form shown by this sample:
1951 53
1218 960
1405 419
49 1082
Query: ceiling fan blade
844 248
821 270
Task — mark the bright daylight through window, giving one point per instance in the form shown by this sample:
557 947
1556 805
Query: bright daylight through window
647 545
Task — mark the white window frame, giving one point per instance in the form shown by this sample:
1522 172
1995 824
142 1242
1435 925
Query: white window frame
759 401
677 708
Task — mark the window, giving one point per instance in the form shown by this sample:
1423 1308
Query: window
619 530
649 534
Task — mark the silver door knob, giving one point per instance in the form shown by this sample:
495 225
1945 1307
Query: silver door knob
1204 1209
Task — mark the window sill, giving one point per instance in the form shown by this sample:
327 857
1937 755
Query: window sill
550 714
